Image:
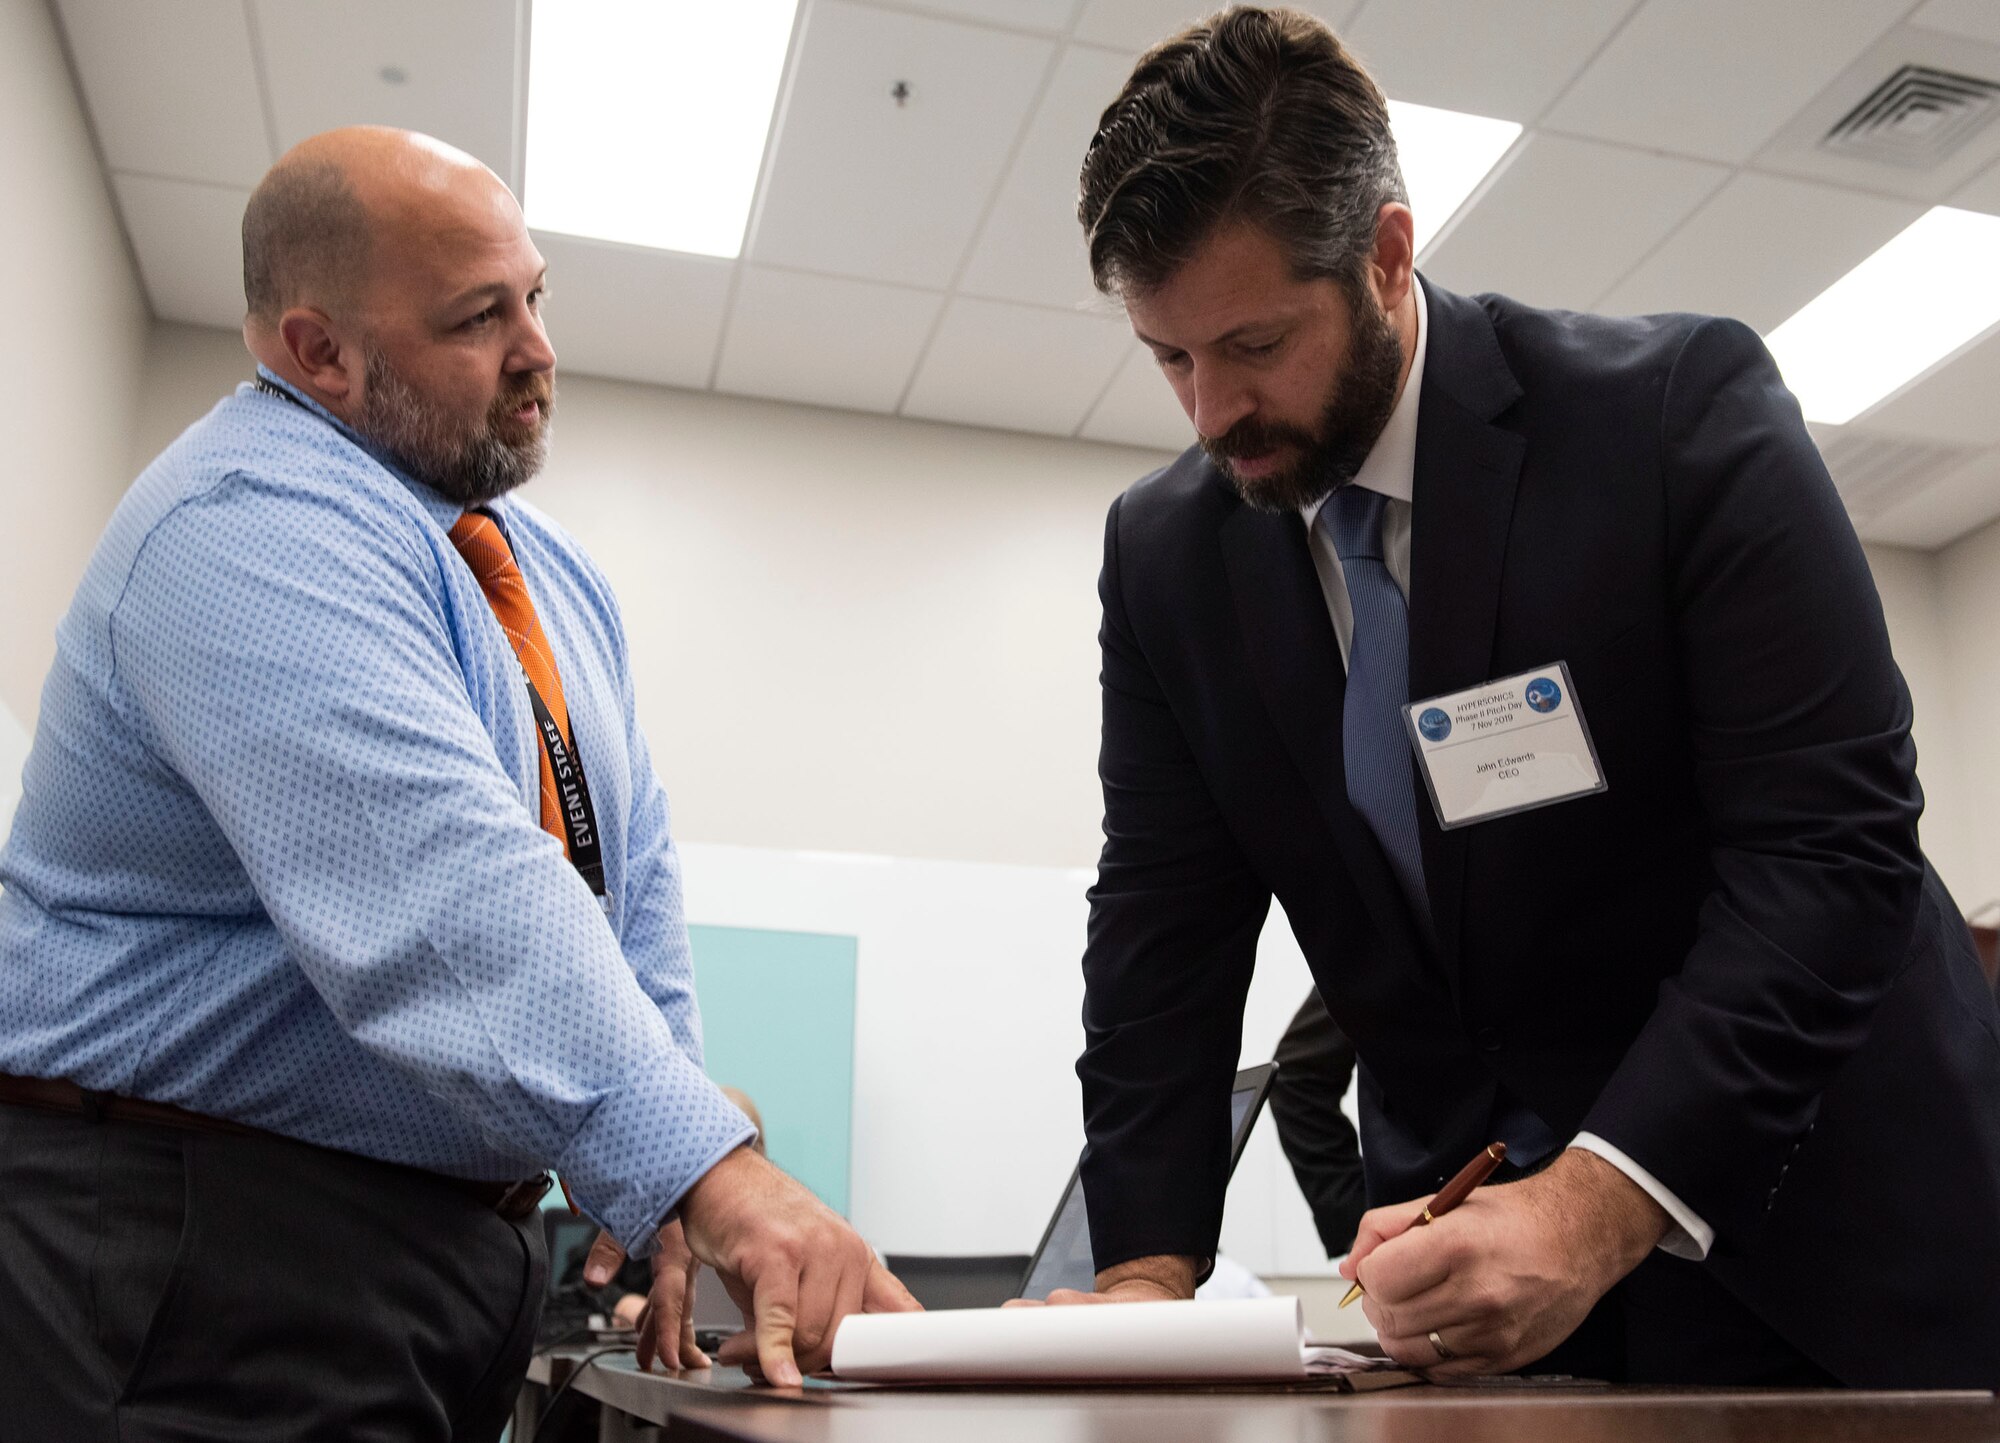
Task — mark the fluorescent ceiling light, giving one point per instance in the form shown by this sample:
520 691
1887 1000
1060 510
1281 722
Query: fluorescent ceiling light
647 118
1894 316
1445 153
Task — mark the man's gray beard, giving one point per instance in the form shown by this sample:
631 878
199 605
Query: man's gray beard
468 466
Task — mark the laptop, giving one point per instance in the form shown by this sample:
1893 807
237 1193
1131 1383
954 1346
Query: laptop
1064 1261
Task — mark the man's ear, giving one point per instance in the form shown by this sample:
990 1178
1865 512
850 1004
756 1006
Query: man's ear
328 364
1394 261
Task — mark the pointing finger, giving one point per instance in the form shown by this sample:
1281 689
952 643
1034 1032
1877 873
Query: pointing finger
776 1305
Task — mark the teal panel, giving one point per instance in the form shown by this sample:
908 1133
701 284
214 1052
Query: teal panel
777 1016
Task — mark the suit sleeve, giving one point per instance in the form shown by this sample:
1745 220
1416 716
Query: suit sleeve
1315 1067
1174 921
1803 765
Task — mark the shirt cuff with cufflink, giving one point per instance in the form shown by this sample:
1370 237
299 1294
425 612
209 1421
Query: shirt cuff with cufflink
1689 1237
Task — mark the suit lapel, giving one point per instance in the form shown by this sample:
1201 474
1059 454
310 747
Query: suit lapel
1463 505
1296 659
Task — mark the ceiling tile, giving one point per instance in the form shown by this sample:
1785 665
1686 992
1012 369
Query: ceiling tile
325 61
1045 17
1876 471
189 240
172 87
1952 402
1982 193
1716 78
1945 510
1032 247
1567 219
861 186
1760 249
1979 19
634 314
1021 368
1139 409
1135 25
824 340
1441 52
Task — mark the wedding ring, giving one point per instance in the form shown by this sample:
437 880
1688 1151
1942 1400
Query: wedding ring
1445 1355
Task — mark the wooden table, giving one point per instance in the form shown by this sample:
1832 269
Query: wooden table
724 1406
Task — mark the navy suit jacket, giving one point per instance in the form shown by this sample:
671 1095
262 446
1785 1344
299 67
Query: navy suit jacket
1734 964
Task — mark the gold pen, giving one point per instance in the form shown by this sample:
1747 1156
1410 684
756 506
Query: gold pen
1450 1196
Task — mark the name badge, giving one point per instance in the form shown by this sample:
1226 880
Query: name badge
1504 747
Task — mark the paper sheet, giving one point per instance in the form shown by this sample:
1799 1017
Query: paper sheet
1243 1339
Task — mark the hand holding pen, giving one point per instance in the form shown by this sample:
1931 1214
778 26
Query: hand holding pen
1451 1195
1496 1292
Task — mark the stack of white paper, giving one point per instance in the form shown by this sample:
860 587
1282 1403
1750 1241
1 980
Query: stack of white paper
1242 1339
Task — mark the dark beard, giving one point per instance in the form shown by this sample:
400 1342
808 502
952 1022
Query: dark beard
1363 396
468 465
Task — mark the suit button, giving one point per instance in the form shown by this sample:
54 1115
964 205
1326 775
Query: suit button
1487 1040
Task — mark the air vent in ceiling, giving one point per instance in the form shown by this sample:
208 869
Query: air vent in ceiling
1873 473
1915 118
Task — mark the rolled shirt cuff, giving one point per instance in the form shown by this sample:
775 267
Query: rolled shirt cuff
645 1145
1689 1237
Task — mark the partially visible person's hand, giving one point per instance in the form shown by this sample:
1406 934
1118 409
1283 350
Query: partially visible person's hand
788 1261
1142 1280
1509 1273
665 1316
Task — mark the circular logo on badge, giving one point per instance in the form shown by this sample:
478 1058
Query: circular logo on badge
1543 694
1434 724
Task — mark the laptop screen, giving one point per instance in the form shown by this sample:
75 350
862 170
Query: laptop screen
1064 1259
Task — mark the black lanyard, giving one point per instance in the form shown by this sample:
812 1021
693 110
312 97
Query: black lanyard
281 393
565 761
572 794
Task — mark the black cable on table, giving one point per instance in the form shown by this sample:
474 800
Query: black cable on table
549 1408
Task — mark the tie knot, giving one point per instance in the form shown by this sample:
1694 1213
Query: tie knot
1353 515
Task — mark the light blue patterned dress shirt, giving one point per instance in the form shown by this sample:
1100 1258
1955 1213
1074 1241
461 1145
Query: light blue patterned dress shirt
278 855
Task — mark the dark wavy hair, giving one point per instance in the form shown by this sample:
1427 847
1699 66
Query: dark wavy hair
1254 114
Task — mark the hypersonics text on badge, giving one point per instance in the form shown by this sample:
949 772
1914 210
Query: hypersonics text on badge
1508 745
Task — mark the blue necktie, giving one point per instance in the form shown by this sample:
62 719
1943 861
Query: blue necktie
1376 748
1374 745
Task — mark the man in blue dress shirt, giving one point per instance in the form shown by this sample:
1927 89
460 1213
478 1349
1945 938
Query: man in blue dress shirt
299 994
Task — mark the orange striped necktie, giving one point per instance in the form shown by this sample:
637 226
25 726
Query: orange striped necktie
484 547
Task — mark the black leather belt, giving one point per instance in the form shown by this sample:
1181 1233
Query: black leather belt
511 1200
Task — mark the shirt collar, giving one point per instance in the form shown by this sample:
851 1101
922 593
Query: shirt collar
445 513
1391 467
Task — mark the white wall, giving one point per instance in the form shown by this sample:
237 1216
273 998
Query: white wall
1969 591
76 328
968 1000
13 752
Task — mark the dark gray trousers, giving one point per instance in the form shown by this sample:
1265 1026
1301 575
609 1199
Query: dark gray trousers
162 1284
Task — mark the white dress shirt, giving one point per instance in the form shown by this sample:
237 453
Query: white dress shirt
1391 469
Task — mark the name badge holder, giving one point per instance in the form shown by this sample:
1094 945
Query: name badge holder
1508 746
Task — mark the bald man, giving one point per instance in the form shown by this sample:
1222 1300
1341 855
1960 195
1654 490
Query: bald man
341 902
